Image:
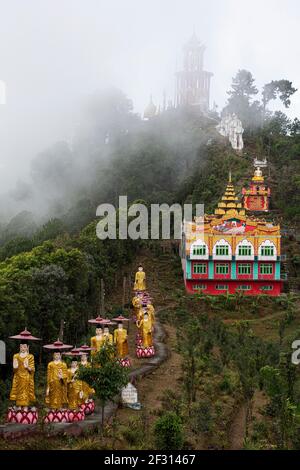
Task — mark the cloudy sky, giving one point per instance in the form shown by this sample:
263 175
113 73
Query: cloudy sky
53 53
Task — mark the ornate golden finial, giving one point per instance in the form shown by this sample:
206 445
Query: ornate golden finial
229 179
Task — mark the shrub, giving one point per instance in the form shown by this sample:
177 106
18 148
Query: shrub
201 420
168 432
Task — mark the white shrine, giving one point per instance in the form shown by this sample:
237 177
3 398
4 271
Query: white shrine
231 127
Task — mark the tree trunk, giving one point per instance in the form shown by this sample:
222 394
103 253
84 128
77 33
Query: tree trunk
102 418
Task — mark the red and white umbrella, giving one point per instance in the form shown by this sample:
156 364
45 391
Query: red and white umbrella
25 336
96 321
57 346
120 318
74 352
85 348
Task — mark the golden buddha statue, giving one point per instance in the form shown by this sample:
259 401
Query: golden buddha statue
107 336
22 391
137 303
121 342
139 317
151 312
140 279
97 341
57 375
145 326
86 389
75 393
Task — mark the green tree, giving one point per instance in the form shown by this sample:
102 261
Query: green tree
241 98
168 432
106 376
281 89
277 388
49 231
189 344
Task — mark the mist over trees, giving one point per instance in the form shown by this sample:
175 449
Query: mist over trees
113 152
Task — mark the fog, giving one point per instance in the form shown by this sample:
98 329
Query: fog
54 54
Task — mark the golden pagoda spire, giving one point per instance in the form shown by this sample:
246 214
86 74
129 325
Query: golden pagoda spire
229 201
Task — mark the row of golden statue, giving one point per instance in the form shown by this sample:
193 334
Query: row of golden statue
69 399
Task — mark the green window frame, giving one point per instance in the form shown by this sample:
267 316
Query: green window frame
199 268
222 268
199 250
267 251
199 287
244 287
266 288
221 287
222 250
244 269
266 269
245 250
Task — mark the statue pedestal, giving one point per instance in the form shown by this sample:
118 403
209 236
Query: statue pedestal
56 416
138 340
75 415
22 415
125 362
88 407
145 352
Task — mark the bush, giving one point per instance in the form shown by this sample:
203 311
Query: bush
170 401
168 432
201 420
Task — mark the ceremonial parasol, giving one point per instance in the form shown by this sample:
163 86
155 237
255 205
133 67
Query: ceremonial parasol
57 346
96 321
120 318
107 322
25 336
74 352
85 348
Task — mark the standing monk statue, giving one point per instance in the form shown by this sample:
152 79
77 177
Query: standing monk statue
57 375
22 391
140 279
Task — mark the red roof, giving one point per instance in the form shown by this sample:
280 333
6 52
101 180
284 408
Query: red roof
57 345
26 336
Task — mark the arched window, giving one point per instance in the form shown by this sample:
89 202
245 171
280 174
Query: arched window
244 250
222 250
199 250
267 250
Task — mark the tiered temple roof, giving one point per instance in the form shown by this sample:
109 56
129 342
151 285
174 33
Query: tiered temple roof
229 201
